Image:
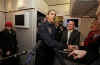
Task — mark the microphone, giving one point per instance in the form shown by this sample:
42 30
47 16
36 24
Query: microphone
21 53
14 55
63 52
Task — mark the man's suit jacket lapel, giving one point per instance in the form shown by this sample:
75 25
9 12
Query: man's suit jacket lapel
66 35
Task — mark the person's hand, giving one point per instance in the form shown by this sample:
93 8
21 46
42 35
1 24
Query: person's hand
82 44
73 47
8 53
67 50
78 54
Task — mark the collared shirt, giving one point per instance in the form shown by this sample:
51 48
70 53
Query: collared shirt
68 36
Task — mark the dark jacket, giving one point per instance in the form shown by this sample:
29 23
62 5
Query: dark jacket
46 49
74 38
8 41
59 33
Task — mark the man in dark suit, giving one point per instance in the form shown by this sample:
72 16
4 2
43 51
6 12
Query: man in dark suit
71 37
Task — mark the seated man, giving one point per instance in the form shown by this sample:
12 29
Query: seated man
71 37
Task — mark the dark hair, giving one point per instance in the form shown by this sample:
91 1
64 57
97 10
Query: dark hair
50 11
72 21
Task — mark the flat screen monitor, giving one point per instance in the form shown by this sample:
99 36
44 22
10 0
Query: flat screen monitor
22 20
19 20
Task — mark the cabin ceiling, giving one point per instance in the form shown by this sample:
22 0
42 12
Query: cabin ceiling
84 8
57 2
77 7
